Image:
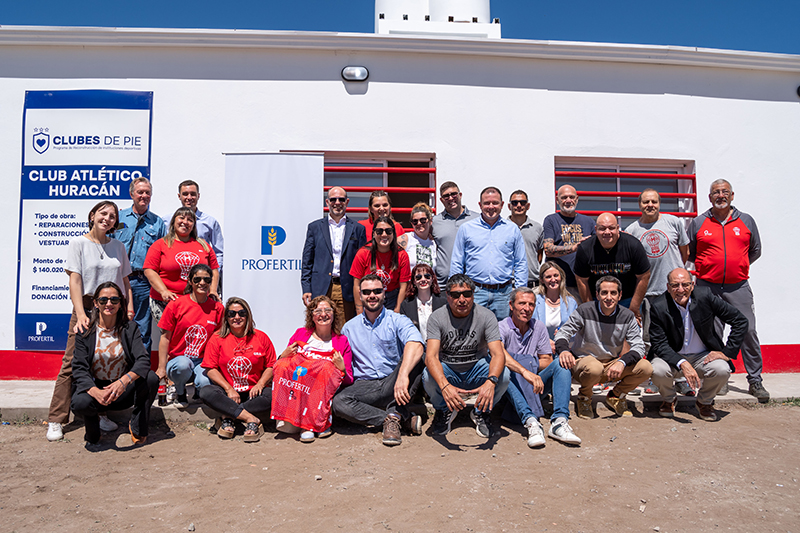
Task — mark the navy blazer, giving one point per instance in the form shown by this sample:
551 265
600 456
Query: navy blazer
666 325
408 307
317 267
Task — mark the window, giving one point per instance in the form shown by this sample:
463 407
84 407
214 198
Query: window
614 185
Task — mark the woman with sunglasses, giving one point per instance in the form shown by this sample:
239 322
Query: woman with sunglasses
238 362
187 323
420 245
169 259
423 298
380 205
111 368
384 257
554 304
321 332
92 259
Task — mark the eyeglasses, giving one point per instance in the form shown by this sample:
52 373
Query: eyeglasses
420 276
684 285
722 192
201 279
455 295
321 312
450 195
367 292
241 312
103 300
381 231
337 199
419 221
518 202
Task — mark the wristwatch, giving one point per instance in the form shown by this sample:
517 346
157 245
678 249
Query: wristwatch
493 379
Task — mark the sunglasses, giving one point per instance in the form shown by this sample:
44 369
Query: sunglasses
321 312
419 221
420 276
381 231
367 292
455 295
201 279
103 300
518 202
241 312
337 199
450 195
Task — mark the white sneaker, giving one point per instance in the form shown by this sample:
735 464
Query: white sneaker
560 430
172 394
535 432
307 436
54 431
107 425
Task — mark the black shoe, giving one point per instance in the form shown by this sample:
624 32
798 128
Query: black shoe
483 425
441 422
682 387
181 401
724 390
757 389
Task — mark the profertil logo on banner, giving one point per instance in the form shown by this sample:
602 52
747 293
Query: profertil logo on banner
271 238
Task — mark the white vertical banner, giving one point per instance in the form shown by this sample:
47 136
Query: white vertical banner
269 201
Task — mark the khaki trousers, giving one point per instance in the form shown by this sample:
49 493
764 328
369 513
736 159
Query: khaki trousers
588 371
344 308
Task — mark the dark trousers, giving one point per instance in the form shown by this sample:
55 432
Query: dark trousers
215 397
140 394
368 401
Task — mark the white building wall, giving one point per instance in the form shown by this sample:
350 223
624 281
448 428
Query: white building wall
489 120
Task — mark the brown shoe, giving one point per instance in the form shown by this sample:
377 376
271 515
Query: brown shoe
391 430
413 425
706 412
668 408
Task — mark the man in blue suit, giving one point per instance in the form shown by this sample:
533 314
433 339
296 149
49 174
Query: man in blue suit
331 244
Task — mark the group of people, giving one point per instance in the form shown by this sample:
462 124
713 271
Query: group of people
527 309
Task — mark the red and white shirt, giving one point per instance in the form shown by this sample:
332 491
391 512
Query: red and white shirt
191 324
241 360
391 279
173 263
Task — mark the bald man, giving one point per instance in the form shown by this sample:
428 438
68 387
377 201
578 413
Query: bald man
564 230
331 244
611 253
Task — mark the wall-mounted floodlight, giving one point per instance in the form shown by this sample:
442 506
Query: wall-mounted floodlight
352 73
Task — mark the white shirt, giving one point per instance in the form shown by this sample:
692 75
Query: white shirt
424 311
552 319
692 344
337 242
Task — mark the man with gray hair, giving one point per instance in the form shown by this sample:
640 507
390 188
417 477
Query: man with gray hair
723 242
591 344
138 229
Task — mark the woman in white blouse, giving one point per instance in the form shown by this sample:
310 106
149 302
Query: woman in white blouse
554 303
423 298
420 246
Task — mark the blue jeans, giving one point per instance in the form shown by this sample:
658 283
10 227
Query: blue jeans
495 300
471 379
141 306
183 369
557 381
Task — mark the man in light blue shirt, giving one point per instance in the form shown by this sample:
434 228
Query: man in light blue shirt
491 251
387 367
208 228
138 229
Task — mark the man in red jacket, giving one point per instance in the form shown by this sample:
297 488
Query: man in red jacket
723 243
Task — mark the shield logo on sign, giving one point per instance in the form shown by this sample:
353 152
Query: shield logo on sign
41 142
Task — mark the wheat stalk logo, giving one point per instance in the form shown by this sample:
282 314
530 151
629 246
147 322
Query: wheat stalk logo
272 237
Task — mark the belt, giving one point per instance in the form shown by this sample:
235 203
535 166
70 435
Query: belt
533 283
493 287
137 274
336 281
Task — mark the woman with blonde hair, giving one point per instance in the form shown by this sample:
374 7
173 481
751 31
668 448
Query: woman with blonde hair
554 304
420 247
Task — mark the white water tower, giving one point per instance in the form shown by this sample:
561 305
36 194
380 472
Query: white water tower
445 18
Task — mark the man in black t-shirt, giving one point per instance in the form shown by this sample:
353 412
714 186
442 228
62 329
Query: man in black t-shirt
611 253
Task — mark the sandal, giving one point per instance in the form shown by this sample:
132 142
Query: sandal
255 428
226 429
137 439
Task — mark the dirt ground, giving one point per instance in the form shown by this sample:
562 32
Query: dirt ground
638 474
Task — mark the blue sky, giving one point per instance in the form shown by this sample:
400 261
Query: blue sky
766 26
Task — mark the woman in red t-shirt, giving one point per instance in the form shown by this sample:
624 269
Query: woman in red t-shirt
168 261
238 362
186 325
380 205
384 257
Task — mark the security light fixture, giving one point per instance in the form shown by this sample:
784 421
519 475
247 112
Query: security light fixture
354 73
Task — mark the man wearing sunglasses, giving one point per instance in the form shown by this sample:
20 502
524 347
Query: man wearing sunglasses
387 365
330 247
445 227
490 250
465 355
686 343
532 233
723 243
